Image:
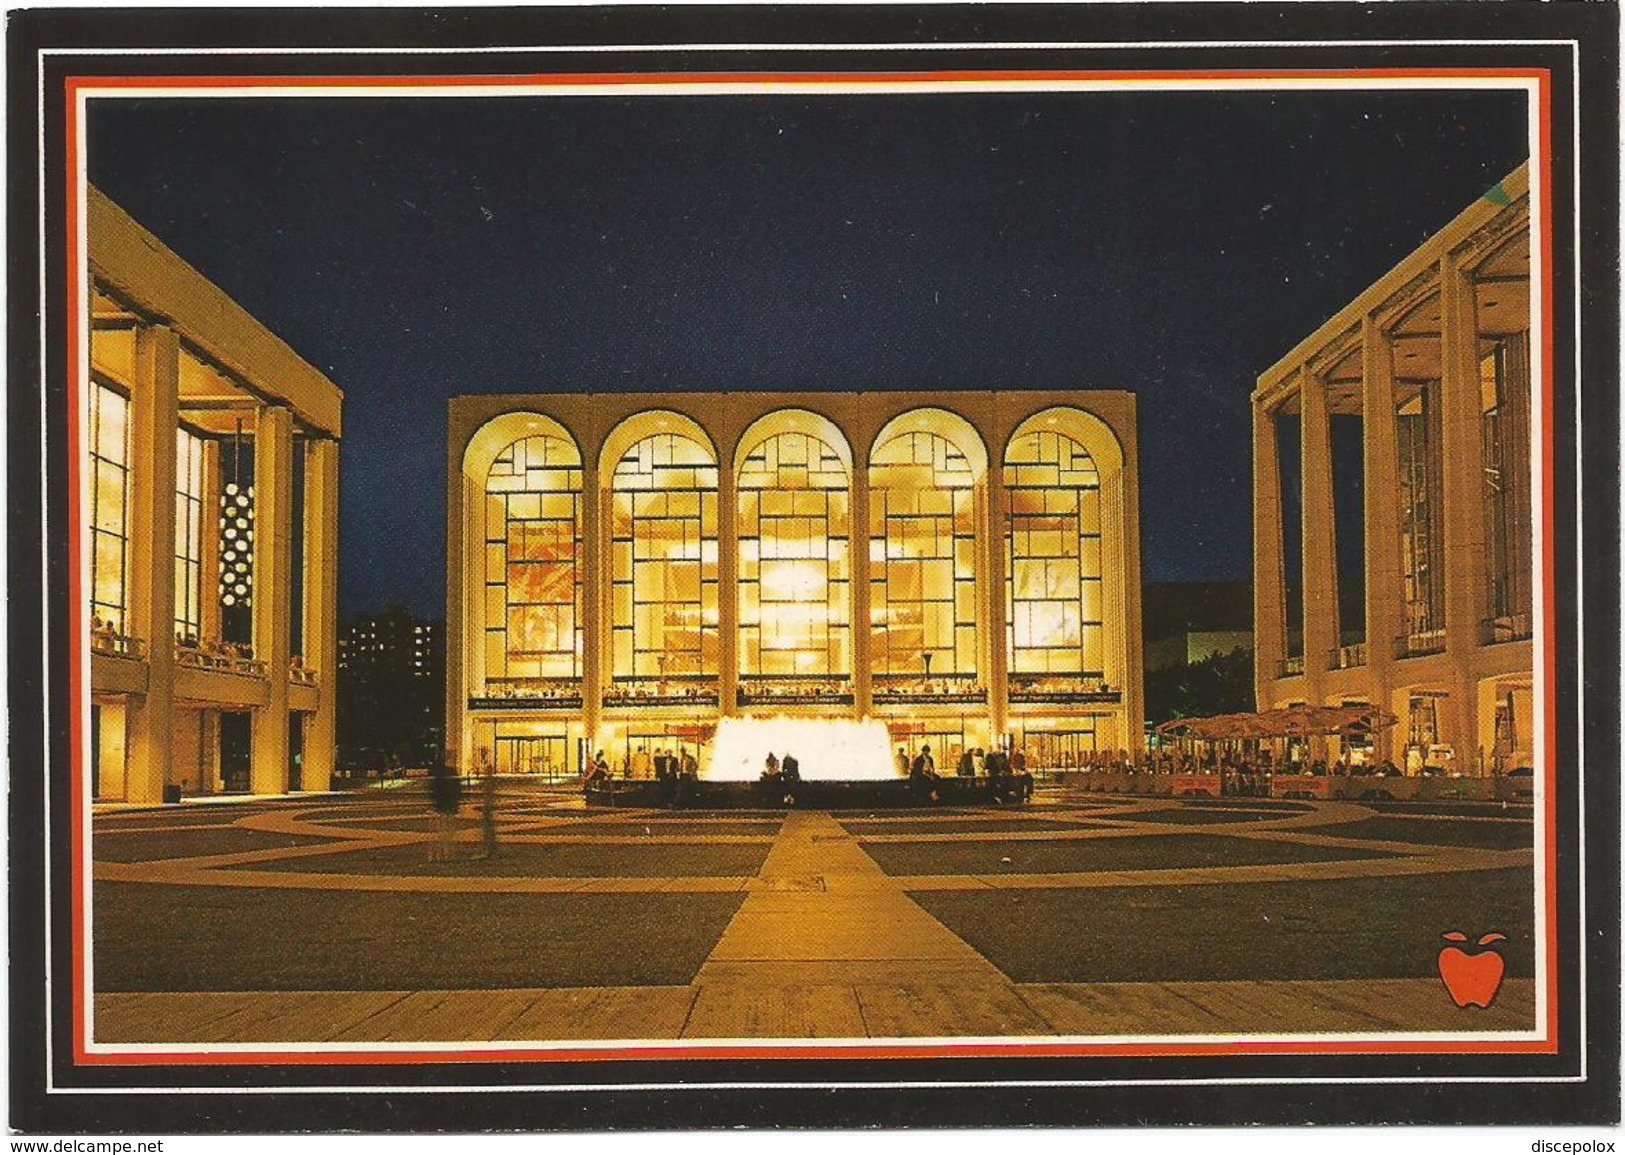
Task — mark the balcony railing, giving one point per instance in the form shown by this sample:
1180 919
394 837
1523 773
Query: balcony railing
696 690
220 658
912 690
301 675
1063 691
1290 667
795 690
529 693
1348 657
1419 644
1506 628
111 644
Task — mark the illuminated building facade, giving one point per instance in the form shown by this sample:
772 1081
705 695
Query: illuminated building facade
1417 595
626 569
210 547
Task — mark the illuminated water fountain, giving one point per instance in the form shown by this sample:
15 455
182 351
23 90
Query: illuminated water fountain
835 750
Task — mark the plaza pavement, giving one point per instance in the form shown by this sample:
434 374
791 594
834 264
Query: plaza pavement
824 942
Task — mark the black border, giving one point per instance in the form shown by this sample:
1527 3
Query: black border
105 1108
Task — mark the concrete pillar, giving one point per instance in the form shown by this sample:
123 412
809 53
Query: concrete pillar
1269 579
321 608
1384 577
597 598
273 573
728 588
1113 608
151 578
1465 554
862 625
1133 675
462 618
990 597
1321 632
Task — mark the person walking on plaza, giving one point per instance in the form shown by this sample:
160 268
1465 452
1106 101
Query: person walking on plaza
790 775
488 806
445 796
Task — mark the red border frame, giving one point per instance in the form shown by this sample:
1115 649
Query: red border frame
76 614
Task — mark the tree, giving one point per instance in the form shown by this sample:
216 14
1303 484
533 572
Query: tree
1218 684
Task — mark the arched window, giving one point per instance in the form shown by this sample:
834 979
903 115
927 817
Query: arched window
922 557
533 566
1052 532
794 570
664 563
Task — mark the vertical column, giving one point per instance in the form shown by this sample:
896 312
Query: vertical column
1269 579
990 548
1384 577
727 586
862 625
153 416
1465 554
1112 608
273 573
321 607
1321 631
597 594
1133 671
460 617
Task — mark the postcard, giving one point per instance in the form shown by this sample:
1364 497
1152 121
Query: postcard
606 568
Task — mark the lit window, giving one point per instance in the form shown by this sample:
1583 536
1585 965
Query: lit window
188 534
109 498
794 572
533 561
664 559
1052 540
922 556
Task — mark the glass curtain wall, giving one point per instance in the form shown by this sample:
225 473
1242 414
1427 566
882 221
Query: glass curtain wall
188 536
109 503
794 568
1421 517
1052 537
664 560
922 558
1508 532
533 570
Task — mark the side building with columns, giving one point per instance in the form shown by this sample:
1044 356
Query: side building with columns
210 498
625 569
1393 481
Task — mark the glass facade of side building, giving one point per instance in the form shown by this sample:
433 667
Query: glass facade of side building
628 569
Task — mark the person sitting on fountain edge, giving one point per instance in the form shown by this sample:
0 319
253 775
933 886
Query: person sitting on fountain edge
922 776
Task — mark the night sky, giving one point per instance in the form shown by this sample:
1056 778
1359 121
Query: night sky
1170 244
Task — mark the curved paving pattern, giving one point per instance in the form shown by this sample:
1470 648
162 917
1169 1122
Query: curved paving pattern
822 942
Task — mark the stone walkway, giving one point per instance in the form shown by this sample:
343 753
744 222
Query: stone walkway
825 945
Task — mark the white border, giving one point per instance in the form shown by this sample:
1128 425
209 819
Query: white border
834 87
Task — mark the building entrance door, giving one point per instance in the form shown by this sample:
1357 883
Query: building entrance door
236 750
1057 749
542 756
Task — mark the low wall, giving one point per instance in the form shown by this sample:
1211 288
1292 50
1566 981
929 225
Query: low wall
1354 787
701 795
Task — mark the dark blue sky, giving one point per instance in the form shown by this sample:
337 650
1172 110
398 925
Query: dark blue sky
1171 244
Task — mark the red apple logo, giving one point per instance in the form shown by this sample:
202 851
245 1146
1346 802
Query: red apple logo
1473 979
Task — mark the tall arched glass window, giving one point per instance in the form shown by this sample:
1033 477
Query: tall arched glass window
1052 534
922 557
664 564
794 569
533 602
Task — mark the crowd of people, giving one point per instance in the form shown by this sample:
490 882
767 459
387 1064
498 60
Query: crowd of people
1009 780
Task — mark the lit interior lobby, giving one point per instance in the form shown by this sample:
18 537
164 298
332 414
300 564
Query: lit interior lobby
630 571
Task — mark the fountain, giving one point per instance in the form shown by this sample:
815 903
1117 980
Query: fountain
827 749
